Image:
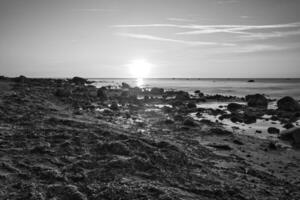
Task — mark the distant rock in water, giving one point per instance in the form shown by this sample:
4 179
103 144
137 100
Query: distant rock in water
251 81
125 85
257 100
288 104
79 81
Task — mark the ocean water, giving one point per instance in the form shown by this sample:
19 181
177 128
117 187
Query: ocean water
273 88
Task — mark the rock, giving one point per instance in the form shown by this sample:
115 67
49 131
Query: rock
101 93
68 192
191 105
219 131
232 107
20 79
238 142
249 118
114 106
125 85
273 130
78 80
157 91
178 118
251 81
116 147
288 104
288 126
182 96
292 134
189 122
221 146
257 100
63 92
169 121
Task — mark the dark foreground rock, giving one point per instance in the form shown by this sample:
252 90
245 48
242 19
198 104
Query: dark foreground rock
257 100
288 104
292 134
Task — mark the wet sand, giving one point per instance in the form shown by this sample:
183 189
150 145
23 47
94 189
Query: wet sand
66 139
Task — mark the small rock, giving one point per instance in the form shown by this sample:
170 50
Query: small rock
114 106
63 92
292 134
189 122
273 130
232 107
191 105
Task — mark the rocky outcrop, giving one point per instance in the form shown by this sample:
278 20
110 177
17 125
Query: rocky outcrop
292 134
257 100
288 104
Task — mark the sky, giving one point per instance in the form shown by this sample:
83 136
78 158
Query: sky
177 38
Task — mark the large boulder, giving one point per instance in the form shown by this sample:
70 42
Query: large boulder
292 134
182 96
63 92
288 104
157 91
257 100
101 93
232 107
125 85
78 80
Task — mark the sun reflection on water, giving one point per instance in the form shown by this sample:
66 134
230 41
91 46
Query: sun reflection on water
139 82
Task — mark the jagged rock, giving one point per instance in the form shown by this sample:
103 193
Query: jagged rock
114 106
292 134
257 100
157 91
182 96
189 122
78 80
65 192
273 130
101 93
125 85
288 104
232 107
63 92
191 105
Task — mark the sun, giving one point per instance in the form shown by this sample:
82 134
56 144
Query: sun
139 68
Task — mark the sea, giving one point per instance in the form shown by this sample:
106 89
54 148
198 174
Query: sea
272 88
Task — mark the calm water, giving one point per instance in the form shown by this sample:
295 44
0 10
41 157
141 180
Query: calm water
274 88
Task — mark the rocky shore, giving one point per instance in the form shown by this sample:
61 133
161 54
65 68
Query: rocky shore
65 139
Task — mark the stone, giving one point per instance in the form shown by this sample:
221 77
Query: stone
232 107
182 96
191 105
273 130
63 92
157 91
101 93
288 104
257 100
78 80
189 122
125 85
292 134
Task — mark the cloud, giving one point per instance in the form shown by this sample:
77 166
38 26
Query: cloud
151 37
265 36
227 1
180 19
236 29
94 10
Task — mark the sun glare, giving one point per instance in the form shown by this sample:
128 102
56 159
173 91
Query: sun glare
139 68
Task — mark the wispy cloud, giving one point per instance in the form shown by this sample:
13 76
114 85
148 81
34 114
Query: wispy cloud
94 10
151 37
265 36
180 19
